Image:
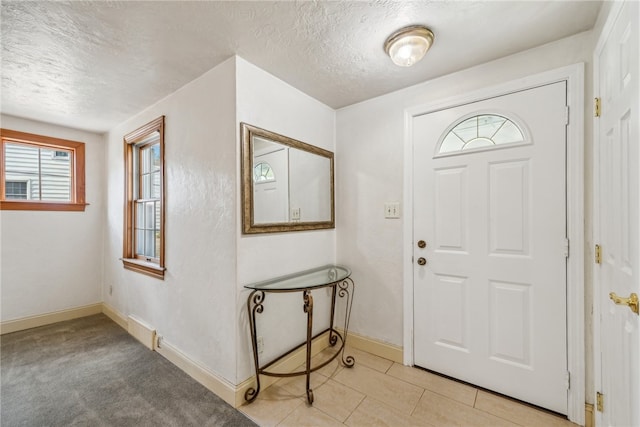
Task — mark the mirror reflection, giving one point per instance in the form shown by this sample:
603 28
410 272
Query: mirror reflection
287 184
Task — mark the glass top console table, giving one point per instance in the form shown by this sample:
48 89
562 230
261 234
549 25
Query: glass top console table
335 277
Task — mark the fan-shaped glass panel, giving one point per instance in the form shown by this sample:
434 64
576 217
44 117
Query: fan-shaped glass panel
481 131
262 172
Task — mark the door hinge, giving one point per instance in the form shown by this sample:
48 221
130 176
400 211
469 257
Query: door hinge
567 380
566 118
598 254
566 248
597 107
600 402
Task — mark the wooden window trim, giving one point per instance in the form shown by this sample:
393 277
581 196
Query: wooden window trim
155 267
144 267
77 202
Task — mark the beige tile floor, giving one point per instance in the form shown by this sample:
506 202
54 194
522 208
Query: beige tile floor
379 392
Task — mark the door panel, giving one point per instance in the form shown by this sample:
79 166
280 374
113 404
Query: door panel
451 210
509 208
510 323
490 304
617 159
451 320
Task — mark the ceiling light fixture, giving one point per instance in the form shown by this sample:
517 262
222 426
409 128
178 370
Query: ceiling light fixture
408 45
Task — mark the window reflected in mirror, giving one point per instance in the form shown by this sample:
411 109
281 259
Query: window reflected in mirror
262 172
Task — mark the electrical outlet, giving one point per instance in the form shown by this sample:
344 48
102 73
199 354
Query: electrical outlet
392 210
295 214
260 345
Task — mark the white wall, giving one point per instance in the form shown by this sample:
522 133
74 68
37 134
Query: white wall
271 104
370 150
52 261
194 307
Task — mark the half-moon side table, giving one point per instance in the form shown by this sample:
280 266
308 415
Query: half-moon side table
330 276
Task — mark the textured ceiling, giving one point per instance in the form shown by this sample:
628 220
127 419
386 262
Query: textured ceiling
93 64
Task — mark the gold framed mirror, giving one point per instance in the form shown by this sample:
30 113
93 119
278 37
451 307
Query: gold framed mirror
287 185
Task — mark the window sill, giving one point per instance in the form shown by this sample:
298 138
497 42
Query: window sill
6 205
144 267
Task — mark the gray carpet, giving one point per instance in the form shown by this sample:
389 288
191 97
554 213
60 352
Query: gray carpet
91 372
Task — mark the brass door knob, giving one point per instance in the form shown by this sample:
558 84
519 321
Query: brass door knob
422 261
632 302
422 244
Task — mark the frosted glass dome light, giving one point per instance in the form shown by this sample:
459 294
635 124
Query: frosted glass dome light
408 45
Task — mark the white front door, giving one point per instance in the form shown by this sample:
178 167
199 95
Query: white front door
616 225
490 206
271 186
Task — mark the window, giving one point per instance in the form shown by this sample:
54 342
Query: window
483 131
262 172
144 205
62 155
41 173
16 190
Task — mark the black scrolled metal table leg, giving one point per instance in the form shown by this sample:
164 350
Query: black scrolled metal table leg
308 308
343 291
254 305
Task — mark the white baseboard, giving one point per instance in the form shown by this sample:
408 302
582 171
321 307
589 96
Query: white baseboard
218 385
115 315
49 318
375 347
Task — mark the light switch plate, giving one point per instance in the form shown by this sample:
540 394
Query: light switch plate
392 210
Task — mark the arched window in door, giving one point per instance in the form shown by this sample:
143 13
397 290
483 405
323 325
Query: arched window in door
479 132
262 172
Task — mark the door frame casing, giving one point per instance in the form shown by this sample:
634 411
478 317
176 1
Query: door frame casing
574 77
